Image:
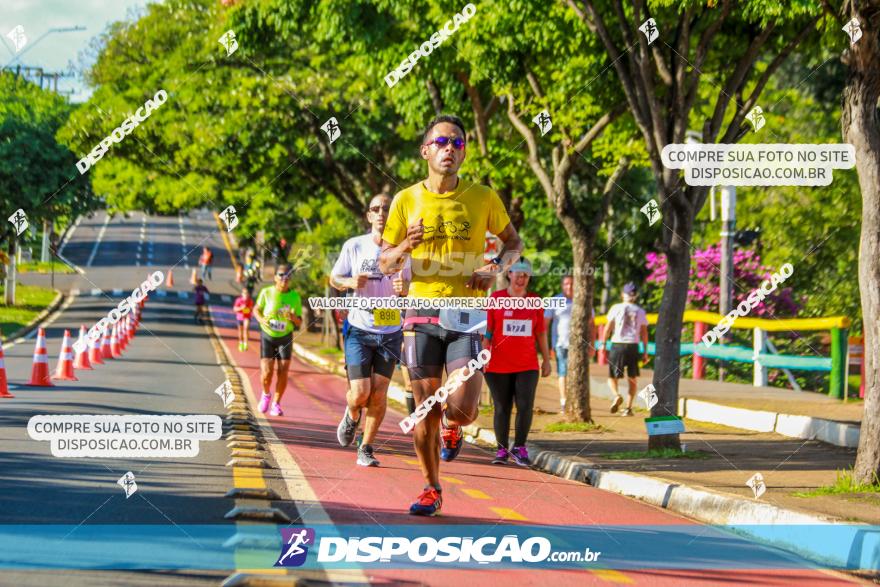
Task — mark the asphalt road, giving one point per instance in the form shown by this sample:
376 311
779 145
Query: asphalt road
168 368
171 368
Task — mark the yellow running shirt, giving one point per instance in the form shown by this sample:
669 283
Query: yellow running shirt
455 235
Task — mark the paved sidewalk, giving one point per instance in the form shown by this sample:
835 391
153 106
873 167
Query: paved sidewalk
730 455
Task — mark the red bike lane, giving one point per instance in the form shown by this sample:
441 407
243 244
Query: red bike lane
474 491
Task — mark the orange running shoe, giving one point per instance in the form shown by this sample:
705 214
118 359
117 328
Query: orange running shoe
428 503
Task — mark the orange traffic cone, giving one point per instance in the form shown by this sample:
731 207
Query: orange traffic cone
105 345
120 335
170 281
95 351
126 333
40 369
4 386
64 370
115 351
82 357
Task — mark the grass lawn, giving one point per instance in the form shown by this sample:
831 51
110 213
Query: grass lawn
665 453
31 300
38 267
575 427
845 484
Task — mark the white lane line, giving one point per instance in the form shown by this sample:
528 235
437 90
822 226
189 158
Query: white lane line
74 292
69 234
64 259
98 241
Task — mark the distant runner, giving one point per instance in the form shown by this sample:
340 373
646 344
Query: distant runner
373 341
441 223
200 293
629 323
243 306
278 310
252 272
206 262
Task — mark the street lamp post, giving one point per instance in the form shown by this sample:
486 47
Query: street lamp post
728 231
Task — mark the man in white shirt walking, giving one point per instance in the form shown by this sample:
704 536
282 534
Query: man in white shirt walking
629 324
559 335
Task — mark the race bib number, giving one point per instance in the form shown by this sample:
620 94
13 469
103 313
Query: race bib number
386 317
463 320
277 325
517 328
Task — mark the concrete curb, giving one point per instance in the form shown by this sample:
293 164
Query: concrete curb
793 426
25 330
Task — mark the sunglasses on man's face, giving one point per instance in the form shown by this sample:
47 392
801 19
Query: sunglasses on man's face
284 275
441 142
377 209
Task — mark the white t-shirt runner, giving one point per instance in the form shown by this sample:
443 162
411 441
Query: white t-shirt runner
361 255
628 321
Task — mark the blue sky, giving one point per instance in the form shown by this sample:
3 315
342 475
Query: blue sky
57 51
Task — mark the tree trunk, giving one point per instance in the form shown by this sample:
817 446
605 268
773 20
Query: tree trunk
9 293
605 301
861 128
577 385
668 333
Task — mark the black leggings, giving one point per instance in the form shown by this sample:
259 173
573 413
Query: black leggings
506 389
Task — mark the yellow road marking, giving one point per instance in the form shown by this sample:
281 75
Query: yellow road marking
452 480
509 514
612 576
410 462
475 493
263 571
226 242
248 477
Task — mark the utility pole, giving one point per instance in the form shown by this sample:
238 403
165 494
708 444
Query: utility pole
728 231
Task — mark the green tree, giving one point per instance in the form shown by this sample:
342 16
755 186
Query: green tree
662 82
37 173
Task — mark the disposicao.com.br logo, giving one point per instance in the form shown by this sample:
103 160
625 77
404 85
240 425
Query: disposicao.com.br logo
452 547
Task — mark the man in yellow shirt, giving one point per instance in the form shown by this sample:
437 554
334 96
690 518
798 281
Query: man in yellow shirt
441 224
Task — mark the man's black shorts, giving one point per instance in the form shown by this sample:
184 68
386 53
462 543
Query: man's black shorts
623 354
429 347
276 348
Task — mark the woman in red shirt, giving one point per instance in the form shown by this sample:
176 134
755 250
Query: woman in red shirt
243 306
512 372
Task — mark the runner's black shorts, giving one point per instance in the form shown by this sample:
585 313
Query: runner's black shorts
276 347
623 354
429 347
369 352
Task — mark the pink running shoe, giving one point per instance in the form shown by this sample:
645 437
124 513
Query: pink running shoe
276 410
264 402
